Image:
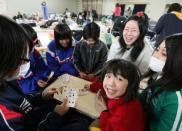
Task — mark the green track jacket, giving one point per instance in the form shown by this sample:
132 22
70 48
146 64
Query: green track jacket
164 111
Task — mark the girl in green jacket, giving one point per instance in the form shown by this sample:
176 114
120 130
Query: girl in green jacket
163 97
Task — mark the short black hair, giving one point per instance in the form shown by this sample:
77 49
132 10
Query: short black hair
174 7
117 5
13 46
127 70
91 30
32 34
61 32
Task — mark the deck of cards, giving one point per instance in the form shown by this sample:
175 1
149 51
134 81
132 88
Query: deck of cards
78 97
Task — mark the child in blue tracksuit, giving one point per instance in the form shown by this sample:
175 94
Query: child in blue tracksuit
35 80
20 112
59 54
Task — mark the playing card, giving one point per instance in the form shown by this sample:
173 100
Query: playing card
84 102
50 76
82 92
70 94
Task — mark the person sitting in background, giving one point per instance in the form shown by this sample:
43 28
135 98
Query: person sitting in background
18 16
117 11
90 54
94 15
35 79
128 12
79 19
162 99
169 23
67 12
131 45
59 54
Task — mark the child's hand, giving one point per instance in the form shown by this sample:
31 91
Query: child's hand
90 77
87 86
41 83
48 93
62 109
82 75
100 101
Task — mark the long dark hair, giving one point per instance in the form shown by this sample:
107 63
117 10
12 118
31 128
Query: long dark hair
61 32
32 34
139 44
171 79
129 71
13 46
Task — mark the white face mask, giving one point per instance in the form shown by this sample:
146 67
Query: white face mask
24 69
156 65
21 74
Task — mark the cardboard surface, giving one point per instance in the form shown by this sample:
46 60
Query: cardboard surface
86 103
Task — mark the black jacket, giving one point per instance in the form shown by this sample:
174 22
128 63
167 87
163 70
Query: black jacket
26 113
90 60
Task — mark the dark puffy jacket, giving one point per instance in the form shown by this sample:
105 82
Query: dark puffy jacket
90 60
168 24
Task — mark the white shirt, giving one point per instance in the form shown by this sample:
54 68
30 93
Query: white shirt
141 62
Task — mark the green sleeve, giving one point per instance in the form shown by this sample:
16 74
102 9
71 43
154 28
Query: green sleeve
165 108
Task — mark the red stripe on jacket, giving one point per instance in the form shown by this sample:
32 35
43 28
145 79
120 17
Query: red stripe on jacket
10 114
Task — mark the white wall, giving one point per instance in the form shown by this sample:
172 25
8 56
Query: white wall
154 9
3 6
30 6
79 6
108 7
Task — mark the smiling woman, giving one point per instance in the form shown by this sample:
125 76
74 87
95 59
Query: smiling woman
131 33
131 45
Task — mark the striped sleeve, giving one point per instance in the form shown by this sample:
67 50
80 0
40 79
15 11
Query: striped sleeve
7 116
170 112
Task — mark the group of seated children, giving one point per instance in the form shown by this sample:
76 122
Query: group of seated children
158 107
85 60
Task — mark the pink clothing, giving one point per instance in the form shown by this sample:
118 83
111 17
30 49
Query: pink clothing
117 11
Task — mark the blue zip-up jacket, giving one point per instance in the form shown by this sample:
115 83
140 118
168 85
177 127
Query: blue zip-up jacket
168 24
38 71
60 61
20 113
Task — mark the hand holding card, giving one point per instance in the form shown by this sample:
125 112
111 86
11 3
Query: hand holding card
70 94
100 102
50 76
83 100
62 109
